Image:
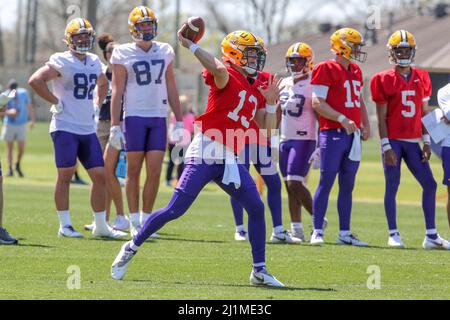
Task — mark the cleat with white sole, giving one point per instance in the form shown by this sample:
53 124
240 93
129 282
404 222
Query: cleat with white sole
240 235
439 243
284 237
108 232
351 240
316 238
263 278
395 241
69 232
120 265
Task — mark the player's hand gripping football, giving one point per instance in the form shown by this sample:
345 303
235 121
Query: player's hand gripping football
184 41
273 90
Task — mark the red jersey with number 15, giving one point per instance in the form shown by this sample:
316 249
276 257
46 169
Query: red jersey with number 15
344 91
404 99
232 108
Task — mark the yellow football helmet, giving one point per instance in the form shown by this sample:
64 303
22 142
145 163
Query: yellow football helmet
236 47
347 42
78 27
402 48
143 15
299 59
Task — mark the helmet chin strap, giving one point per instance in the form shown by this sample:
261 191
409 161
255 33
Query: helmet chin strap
250 71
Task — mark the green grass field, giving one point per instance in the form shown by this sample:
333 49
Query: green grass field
197 257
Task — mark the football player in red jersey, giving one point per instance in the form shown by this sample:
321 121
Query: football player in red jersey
236 101
260 154
343 122
401 94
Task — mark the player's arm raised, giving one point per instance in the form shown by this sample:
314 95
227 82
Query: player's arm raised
211 63
390 158
38 81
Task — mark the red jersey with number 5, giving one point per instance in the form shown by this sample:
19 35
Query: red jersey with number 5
231 110
404 99
344 91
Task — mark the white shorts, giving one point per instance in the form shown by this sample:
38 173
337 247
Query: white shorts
13 133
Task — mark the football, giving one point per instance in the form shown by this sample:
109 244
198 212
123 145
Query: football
193 29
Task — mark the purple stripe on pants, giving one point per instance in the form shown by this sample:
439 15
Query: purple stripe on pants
335 146
195 176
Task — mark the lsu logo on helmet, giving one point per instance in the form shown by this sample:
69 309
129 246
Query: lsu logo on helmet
143 24
80 36
239 47
299 59
348 42
402 48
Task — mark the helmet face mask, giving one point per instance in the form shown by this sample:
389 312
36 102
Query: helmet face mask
143 24
297 66
403 56
356 53
83 42
146 30
80 36
253 59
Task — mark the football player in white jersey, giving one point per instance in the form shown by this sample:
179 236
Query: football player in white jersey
143 75
74 74
298 131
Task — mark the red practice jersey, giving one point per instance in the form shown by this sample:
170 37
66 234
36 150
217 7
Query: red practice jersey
344 91
404 100
231 109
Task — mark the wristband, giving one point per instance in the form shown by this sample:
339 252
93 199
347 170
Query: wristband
386 147
426 139
271 108
384 141
194 47
341 118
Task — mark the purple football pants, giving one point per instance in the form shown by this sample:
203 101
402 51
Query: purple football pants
412 155
195 176
335 146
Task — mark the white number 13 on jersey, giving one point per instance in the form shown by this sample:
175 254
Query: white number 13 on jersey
235 114
356 89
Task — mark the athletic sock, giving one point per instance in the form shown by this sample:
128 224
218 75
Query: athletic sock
432 234
278 229
64 218
344 233
144 217
134 218
240 228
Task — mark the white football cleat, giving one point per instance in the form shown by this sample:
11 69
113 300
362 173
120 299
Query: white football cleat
108 232
134 230
395 241
121 223
240 235
120 265
439 243
263 278
351 240
284 237
317 238
299 234
69 232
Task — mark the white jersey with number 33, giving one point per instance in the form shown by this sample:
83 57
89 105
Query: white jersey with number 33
146 89
298 121
75 89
